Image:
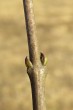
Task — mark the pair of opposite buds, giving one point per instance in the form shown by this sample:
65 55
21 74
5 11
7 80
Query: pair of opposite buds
43 60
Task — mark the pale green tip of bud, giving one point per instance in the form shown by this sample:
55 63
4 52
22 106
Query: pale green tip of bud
28 63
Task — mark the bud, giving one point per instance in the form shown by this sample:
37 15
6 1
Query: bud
43 59
28 63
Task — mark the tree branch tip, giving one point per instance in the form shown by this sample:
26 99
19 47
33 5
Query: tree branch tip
43 59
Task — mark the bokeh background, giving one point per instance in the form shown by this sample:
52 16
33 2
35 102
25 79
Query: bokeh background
54 21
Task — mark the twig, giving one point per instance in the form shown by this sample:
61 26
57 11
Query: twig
31 31
35 64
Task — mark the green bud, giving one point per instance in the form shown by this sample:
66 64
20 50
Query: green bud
28 63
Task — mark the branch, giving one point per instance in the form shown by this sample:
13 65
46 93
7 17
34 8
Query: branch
35 64
31 31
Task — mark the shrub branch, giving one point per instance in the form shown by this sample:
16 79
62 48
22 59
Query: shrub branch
35 63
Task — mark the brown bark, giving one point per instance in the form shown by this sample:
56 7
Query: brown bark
35 67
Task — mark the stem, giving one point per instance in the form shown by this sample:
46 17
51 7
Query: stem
35 69
37 79
31 31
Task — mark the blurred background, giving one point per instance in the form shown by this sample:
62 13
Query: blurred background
54 21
